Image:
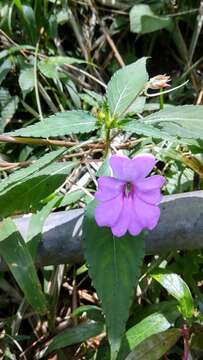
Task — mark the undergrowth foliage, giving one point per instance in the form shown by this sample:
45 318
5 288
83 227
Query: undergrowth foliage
66 118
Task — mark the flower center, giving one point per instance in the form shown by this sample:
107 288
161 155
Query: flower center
128 189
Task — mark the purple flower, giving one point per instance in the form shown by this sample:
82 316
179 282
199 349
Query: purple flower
128 201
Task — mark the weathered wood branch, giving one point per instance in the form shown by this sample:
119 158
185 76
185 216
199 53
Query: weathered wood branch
180 228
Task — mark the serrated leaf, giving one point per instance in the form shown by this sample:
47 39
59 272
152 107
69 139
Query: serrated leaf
60 124
72 91
50 66
167 133
99 98
8 107
114 266
137 106
155 106
27 79
143 20
5 67
181 121
72 336
9 110
151 325
141 128
15 253
36 187
176 287
125 85
154 347
21 175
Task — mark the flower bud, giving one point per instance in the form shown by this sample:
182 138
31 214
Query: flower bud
159 82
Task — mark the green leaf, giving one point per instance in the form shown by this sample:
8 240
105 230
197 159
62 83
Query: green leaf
93 312
50 66
27 17
3 54
176 287
8 107
60 124
36 187
99 98
114 266
125 85
181 121
167 308
27 80
72 197
104 169
20 175
34 233
62 16
72 336
141 128
86 308
152 324
137 106
15 253
154 347
5 67
143 20
155 106
13 49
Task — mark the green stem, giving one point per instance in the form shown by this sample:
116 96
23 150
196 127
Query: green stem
35 80
161 99
107 143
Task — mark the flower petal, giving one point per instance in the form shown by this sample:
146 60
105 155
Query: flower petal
108 188
143 165
107 213
121 226
152 182
135 227
147 214
153 196
122 167
129 170
148 189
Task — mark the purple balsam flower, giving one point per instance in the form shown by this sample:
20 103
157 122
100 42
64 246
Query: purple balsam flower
128 201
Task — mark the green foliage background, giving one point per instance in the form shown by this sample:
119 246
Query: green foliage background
73 78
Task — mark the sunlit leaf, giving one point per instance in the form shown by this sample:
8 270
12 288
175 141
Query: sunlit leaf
71 336
176 287
22 174
152 324
114 266
15 253
143 20
50 66
62 123
36 187
26 79
125 85
179 121
154 347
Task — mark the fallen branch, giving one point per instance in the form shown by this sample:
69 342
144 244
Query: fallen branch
180 228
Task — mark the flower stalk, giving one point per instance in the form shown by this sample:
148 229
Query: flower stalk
161 100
